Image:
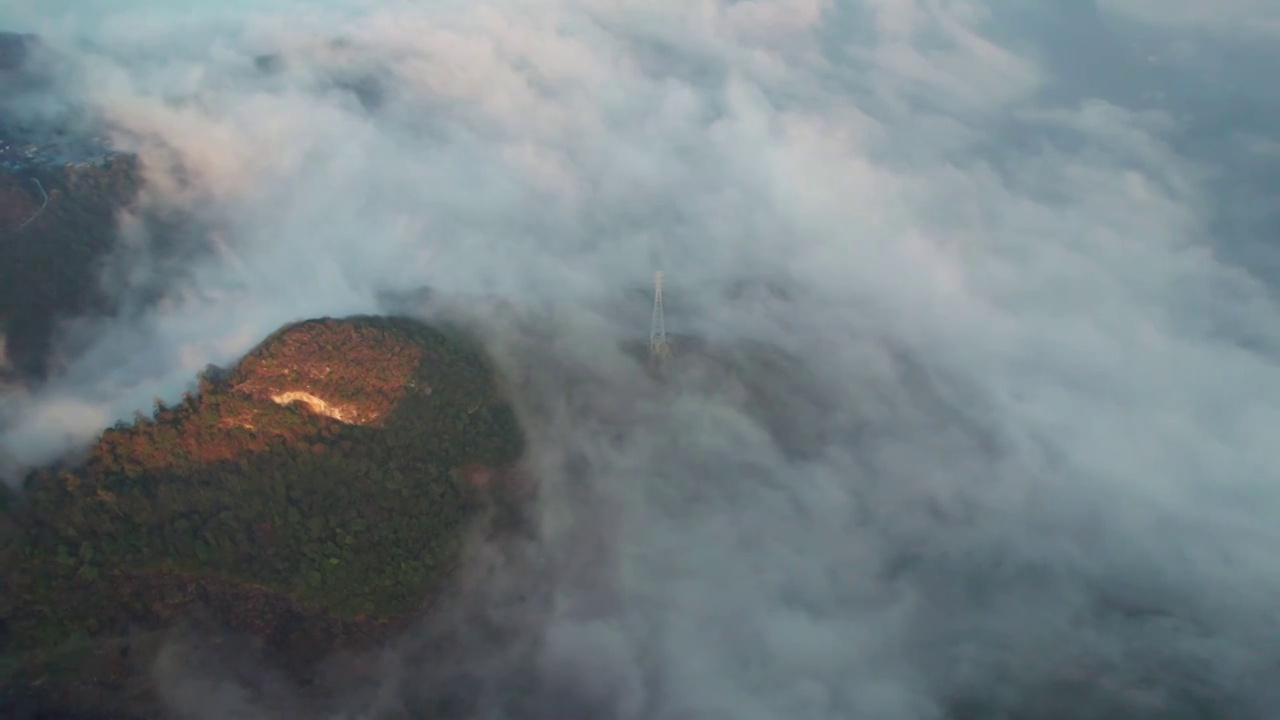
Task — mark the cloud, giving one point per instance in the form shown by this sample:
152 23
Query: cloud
1033 374
1254 19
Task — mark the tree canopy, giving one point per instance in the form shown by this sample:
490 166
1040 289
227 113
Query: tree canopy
265 511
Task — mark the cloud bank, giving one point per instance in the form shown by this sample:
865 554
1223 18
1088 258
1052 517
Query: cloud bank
1015 265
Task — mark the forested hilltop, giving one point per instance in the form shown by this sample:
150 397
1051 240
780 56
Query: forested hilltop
310 496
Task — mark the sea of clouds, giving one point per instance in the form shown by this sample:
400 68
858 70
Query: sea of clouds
1021 257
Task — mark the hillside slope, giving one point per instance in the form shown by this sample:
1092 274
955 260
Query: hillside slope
310 497
57 227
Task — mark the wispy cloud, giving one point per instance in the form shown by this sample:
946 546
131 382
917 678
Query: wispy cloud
1256 20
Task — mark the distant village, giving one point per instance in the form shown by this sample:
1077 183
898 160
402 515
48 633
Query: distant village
49 142
23 154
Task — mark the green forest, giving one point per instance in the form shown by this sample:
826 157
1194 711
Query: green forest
229 494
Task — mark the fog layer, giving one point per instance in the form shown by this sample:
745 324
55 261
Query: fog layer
1017 265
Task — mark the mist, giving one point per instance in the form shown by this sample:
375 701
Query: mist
1016 270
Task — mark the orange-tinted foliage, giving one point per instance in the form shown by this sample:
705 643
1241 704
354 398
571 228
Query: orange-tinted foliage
366 368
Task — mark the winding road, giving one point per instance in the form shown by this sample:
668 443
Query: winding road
43 204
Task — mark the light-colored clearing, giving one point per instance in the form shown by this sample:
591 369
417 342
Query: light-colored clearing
319 406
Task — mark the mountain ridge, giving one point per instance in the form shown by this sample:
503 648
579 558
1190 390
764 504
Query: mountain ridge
242 510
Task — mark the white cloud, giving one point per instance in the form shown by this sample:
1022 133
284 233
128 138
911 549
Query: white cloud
1040 381
1256 19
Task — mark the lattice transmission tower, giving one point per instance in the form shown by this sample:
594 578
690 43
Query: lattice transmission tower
659 347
